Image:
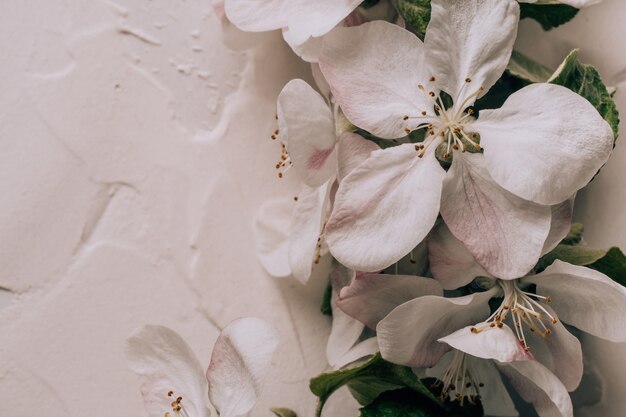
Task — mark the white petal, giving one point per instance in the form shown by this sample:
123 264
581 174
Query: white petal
503 232
362 350
563 348
320 81
272 230
537 385
578 292
450 261
499 343
494 396
304 19
167 362
371 297
560 224
353 149
308 217
309 128
470 40
344 333
309 50
545 143
233 37
374 70
384 208
241 358
409 334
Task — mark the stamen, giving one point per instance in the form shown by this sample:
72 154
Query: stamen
458 381
524 310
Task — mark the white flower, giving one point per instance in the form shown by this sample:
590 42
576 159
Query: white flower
468 378
522 326
316 146
175 384
540 147
303 22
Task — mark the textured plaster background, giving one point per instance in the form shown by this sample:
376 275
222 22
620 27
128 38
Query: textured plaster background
134 153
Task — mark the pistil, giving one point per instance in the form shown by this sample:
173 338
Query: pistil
446 126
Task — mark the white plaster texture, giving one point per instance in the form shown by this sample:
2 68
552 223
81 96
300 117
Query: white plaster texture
135 153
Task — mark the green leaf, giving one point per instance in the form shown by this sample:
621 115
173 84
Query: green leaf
398 403
416 13
326 308
548 15
283 412
575 235
527 69
585 80
613 265
575 255
369 3
367 381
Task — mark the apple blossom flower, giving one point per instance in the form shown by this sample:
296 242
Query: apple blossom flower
175 384
315 144
524 324
509 165
463 377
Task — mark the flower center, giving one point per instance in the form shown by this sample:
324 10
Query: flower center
523 309
458 382
178 410
448 126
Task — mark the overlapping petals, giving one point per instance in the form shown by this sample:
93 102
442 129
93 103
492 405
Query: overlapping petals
175 383
544 144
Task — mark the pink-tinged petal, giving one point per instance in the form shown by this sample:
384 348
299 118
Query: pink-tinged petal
241 358
559 351
499 343
272 231
353 149
304 19
309 128
494 396
360 351
537 385
371 297
309 214
450 261
577 292
560 224
384 208
503 232
374 71
470 40
409 334
167 363
545 143
344 334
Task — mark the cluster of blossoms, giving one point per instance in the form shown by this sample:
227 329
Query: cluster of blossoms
435 212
